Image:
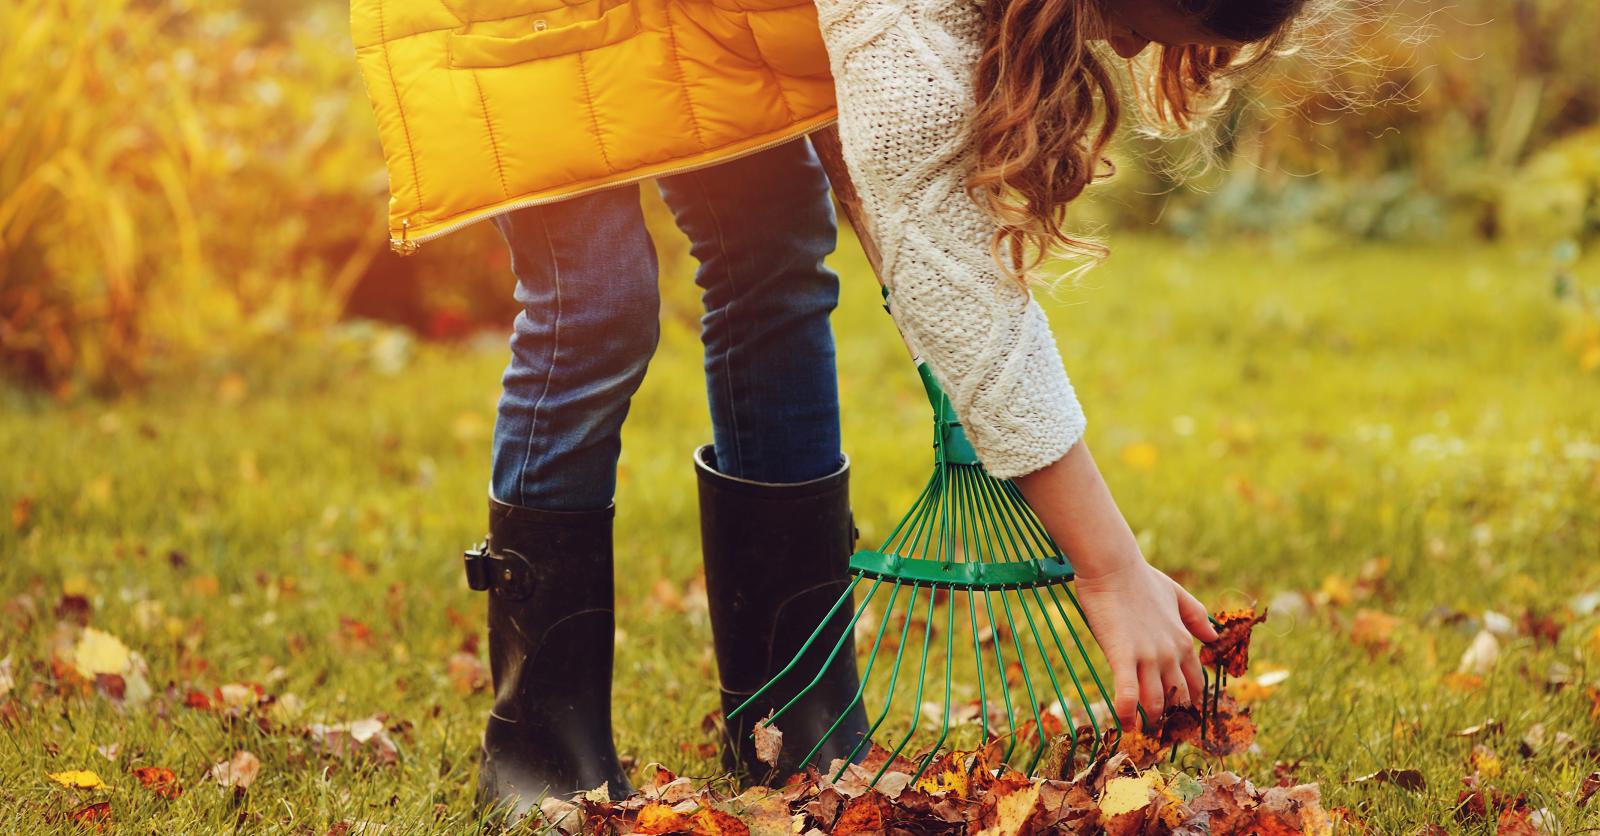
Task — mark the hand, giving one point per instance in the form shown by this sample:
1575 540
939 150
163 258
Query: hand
1146 623
1141 618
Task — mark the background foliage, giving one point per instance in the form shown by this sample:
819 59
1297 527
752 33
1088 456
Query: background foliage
194 181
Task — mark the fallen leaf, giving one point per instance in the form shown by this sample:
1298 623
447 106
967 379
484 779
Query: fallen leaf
1411 780
769 741
159 780
1485 761
1480 656
862 814
1124 795
78 779
99 652
1231 650
1515 821
1487 727
657 818
1373 630
238 772
1588 787
359 737
96 815
467 673
1294 810
21 512
709 821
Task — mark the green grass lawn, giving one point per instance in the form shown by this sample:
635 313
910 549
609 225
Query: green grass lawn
1399 432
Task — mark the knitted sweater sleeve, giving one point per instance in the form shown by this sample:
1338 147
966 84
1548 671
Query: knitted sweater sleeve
903 75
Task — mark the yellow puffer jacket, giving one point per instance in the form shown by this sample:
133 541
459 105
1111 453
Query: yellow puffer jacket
489 105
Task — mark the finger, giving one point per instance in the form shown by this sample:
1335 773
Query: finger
1174 688
1126 700
1150 691
1195 617
1195 679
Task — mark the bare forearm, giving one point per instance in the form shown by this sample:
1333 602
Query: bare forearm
1075 505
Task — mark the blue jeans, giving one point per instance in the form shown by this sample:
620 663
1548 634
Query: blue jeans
587 281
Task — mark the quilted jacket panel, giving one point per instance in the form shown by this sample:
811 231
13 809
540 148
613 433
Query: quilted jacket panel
484 106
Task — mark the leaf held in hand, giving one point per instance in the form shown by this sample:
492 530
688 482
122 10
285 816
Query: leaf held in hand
1231 650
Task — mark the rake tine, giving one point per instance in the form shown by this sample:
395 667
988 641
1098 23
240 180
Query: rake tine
1038 641
1031 520
861 687
844 636
1027 679
1066 658
977 664
986 556
1104 694
922 678
1082 654
1010 521
967 530
949 662
845 596
916 518
893 677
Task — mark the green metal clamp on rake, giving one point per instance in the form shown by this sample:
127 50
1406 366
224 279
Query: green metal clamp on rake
967 535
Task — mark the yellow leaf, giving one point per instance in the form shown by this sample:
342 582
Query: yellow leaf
1013 811
1124 795
948 780
99 652
76 585
1336 591
1590 359
78 779
1141 455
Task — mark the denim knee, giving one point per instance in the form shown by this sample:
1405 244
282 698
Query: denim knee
586 279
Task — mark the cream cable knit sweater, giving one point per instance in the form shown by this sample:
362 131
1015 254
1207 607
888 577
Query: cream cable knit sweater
903 71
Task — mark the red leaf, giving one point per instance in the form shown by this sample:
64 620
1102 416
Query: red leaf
96 815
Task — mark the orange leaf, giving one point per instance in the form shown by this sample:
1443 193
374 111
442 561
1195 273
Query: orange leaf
864 814
657 818
1231 650
713 822
159 780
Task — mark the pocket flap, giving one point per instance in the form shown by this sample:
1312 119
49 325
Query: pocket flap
617 23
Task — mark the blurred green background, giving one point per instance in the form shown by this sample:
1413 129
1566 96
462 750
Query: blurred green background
192 184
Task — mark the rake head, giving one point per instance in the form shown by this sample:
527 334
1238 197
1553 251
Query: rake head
969 542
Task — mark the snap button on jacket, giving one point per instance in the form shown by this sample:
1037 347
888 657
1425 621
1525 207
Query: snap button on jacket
484 106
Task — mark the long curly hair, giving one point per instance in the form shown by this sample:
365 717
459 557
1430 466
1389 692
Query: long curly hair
1047 106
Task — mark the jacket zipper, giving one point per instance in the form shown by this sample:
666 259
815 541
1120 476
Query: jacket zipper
408 245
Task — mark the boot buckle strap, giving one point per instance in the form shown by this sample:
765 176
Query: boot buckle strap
505 574
474 561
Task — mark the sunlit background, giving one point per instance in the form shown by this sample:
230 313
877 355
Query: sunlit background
186 183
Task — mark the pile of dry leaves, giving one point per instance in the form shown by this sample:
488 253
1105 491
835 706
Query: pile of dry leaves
1115 787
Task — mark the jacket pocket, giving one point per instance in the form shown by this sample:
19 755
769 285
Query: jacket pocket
568 28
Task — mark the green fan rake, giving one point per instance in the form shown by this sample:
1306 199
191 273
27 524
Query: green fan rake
971 537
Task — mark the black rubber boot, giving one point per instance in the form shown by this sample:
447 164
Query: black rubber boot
777 559
551 628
